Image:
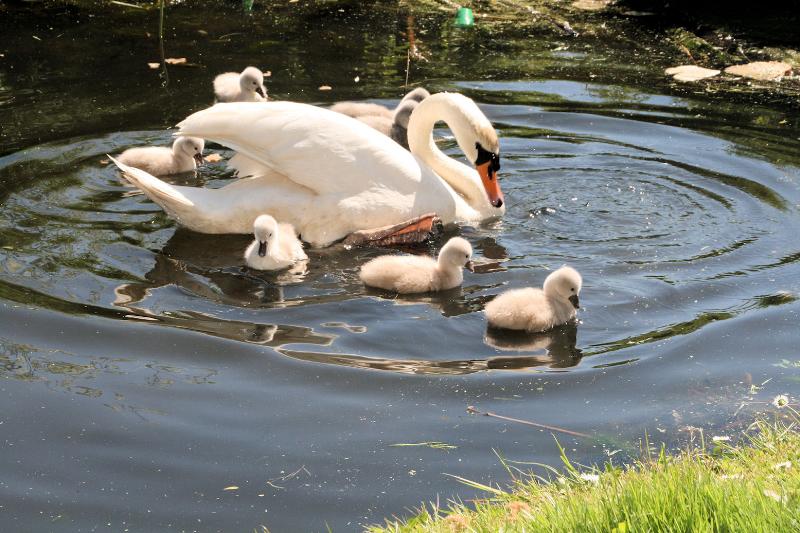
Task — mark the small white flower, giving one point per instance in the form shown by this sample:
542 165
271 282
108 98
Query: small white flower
780 401
781 466
720 438
591 478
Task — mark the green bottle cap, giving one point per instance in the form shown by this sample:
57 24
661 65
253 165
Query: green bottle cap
464 18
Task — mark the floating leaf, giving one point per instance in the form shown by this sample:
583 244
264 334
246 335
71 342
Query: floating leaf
213 158
154 65
690 73
232 487
175 60
325 87
761 70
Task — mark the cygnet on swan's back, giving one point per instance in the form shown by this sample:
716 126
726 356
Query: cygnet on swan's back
408 274
245 87
275 247
533 309
186 153
358 110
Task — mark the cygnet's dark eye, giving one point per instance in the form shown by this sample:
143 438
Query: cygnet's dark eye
573 289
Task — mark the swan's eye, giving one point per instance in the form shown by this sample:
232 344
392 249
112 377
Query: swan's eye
485 156
573 289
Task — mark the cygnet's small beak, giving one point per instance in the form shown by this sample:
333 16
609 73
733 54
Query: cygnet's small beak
575 302
198 158
469 265
262 248
260 90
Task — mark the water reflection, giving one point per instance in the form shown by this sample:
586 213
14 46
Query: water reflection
552 349
555 348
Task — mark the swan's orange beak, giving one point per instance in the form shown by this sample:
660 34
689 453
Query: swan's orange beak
490 183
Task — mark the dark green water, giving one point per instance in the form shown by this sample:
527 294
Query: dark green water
144 369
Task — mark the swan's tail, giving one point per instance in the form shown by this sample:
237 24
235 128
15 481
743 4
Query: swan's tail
162 193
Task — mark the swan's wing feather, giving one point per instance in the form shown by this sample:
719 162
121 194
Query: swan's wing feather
325 151
152 186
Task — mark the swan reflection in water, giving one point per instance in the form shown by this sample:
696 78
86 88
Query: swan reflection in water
211 267
552 349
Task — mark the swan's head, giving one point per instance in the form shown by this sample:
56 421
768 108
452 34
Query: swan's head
264 228
190 146
564 284
402 113
417 95
252 80
456 252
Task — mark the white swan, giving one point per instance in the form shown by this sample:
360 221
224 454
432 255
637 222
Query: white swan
245 87
329 175
408 274
535 310
186 153
275 247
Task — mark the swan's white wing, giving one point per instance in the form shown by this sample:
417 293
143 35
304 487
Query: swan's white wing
324 151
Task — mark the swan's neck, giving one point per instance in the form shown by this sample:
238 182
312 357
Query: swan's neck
459 176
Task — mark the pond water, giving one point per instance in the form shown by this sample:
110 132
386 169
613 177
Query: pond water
145 370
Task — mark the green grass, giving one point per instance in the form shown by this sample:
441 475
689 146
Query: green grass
752 487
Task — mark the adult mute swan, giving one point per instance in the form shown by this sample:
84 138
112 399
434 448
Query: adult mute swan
329 175
535 310
408 274
275 247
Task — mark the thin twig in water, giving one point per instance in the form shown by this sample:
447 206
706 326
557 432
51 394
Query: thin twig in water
287 477
472 410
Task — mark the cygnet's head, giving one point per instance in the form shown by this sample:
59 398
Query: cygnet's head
456 252
402 113
417 95
252 80
191 146
564 284
264 228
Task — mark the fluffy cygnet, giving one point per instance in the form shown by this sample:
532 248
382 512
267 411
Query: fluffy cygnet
358 110
395 127
245 87
275 247
407 274
534 310
186 153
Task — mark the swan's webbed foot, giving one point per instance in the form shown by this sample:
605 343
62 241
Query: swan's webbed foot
415 230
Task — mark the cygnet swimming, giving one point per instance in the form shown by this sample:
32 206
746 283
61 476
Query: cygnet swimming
275 247
245 87
406 274
395 127
533 309
186 153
